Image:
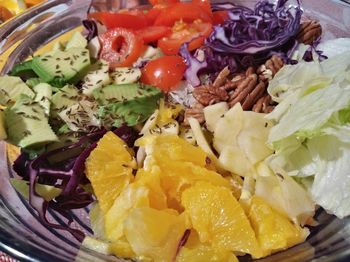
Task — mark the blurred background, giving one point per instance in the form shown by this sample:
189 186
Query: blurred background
11 8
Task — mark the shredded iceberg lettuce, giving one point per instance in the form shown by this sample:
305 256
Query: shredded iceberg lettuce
311 137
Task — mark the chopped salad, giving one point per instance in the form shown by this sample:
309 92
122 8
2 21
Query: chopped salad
193 131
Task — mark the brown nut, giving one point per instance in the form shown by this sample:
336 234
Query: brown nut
264 105
222 77
268 70
208 95
243 89
254 96
309 31
196 112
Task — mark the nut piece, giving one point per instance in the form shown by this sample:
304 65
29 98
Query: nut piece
196 112
208 95
309 31
268 70
264 105
222 77
247 92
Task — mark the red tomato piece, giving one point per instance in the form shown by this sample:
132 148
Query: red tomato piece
152 15
187 12
153 33
125 20
194 33
164 72
205 4
219 17
157 2
120 47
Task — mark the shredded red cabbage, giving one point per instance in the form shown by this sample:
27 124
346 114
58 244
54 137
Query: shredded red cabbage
194 64
250 31
248 38
183 240
67 174
308 56
91 28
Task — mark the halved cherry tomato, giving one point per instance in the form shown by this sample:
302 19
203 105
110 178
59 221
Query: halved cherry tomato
187 12
157 2
164 72
152 15
219 17
194 33
153 33
125 20
120 47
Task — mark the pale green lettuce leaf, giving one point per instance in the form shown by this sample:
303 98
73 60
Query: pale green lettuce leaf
331 185
308 114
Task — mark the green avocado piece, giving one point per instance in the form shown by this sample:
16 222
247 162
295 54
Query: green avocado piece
69 65
119 93
23 70
27 124
64 98
131 112
11 87
45 191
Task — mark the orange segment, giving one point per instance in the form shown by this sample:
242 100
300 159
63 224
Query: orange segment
165 148
109 169
132 197
177 176
219 219
274 231
154 234
151 180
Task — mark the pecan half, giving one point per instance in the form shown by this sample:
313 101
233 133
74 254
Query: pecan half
196 112
247 92
309 31
243 89
264 105
254 96
222 77
268 70
208 94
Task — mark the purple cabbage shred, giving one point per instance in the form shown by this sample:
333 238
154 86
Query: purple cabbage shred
248 38
91 28
67 174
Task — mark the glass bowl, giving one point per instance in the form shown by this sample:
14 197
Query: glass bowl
24 237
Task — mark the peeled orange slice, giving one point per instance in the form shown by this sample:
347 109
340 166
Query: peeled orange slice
109 169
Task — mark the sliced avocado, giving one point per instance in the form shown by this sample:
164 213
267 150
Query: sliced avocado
58 82
126 75
11 87
27 125
45 191
69 65
119 93
77 40
23 70
43 95
64 98
131 112
97 77
31 82
3 134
